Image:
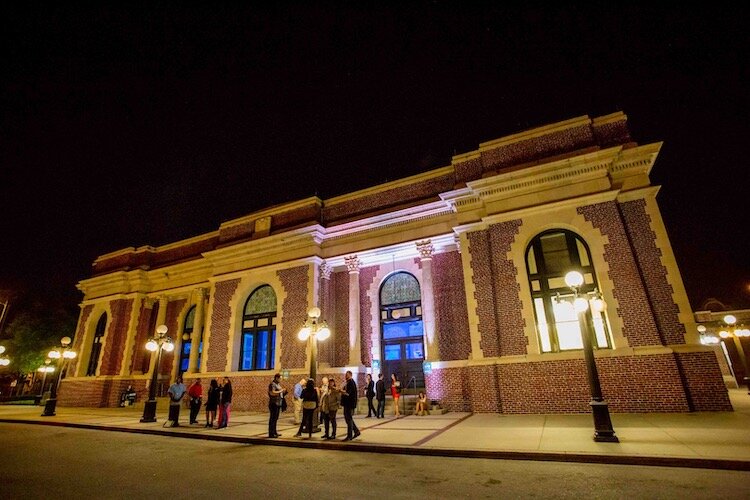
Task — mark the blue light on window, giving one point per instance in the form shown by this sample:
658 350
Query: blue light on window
262 350
403 329
247 351
414 350
392 352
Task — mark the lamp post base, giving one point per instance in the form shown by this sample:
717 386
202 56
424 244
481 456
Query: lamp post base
149 411
49 407
603 431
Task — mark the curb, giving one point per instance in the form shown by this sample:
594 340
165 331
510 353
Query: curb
684 462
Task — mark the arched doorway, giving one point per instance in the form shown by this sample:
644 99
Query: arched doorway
401 329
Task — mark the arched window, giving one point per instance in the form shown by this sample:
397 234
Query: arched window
96 346
258 342
187 343
402 340
549 257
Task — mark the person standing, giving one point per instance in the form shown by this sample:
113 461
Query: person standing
323 415
309 405
226 403
298 387
195 392
349 402
275 395
380 396
396 393
370 394
329 405
176 393
212 402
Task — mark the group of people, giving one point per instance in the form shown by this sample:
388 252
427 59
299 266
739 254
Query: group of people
309 399
218 401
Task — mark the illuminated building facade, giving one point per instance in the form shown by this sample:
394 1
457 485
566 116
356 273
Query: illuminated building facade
449 278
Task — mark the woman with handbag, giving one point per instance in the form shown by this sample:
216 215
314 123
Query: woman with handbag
309 403
329 405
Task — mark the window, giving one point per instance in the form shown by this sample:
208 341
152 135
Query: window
187 343
258 342
548 258
96 346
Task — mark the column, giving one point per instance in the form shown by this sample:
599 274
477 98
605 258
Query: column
197 334
326 352
161 318
432 352
355 354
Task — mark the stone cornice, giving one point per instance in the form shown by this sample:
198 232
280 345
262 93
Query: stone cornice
271 211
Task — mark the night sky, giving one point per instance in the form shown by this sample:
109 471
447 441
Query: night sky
146 124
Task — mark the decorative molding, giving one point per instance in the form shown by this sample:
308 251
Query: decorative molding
425 249
352 264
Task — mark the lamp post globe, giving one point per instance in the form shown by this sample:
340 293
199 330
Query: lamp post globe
63 354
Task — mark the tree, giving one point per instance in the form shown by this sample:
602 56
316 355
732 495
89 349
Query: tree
36 327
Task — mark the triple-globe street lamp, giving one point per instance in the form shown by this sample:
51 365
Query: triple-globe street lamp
314 329
63 354
603 431
730 330
158 343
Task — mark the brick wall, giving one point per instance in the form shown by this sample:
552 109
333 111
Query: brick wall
510 323
168 359
340 338
78 339
648 258
704 382
481 265
294 313
117 334
220 326
451 314
326 350
448 385
146 318
98 392
366 277
638 324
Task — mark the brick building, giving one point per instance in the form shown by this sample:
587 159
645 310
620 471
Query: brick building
453 277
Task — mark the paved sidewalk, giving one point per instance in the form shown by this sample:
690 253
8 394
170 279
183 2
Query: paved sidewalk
704 439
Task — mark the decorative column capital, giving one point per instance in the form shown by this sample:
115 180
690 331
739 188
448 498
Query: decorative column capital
200 293
352 263
325 271
425 249
457 239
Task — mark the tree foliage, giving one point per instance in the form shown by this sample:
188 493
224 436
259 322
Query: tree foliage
36 327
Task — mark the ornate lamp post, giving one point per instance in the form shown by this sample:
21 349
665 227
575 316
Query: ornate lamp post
160 342
47 368
314 329
603 431
62 355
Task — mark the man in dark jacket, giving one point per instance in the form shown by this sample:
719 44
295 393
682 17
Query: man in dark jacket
349 402
370 394
380 396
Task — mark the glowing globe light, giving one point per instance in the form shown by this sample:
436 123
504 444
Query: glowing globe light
730 319
724 334
580 304
574 279
168 346
304 333
151 345
324 333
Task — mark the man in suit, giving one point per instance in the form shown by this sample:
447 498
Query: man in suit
349 402
380 396
370 394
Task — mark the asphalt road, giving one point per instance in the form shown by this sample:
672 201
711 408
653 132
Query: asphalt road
57 462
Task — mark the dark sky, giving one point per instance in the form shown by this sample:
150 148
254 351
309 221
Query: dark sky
145 124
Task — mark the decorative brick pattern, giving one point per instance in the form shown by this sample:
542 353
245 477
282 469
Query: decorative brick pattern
538 148
704 382
468 170
78 339
510 323
638 323
146 319
326 349
484 392
374 202
648 255
291 218
612 133
451 314
481 265
168 359
366 277
340 282
117 334
218 342
294 311
448 385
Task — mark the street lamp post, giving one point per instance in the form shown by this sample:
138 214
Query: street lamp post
314 329
160 342
603 431
47 368
62 355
